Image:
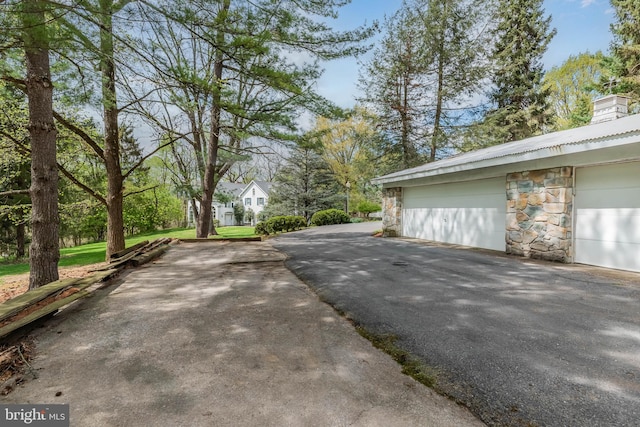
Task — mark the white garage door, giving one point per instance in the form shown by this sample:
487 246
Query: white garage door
465 213
607 211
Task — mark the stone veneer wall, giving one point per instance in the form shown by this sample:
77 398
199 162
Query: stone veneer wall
539 209
392 212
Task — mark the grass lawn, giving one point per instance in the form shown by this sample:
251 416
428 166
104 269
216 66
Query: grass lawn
93 253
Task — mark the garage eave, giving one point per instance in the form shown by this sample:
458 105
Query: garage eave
620 139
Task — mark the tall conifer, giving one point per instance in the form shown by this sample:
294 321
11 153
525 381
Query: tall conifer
626 46
521 106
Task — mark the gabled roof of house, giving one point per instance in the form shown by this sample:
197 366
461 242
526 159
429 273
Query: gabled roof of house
591 137
233 188
263 185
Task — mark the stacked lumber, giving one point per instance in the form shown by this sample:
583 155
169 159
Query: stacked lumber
37 303
138 254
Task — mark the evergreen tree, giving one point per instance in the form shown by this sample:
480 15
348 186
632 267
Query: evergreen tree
582 113
34 36
521 106
304 186
421 79
626 47
236 71
390 82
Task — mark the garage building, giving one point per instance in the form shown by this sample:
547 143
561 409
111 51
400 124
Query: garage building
569 196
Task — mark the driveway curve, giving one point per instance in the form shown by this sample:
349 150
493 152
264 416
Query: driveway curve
220 334
517 341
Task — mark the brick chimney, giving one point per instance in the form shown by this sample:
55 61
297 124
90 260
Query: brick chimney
610 107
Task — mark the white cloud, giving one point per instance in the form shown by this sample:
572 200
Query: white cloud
587 3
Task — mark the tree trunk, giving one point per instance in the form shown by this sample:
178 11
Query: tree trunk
437 125
115 219
208 186
44 252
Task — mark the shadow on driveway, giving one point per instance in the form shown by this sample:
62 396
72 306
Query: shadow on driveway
518 341
221 334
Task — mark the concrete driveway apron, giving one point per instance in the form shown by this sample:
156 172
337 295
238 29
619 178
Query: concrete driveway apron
221 334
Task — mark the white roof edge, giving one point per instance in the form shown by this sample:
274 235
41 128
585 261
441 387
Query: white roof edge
587 138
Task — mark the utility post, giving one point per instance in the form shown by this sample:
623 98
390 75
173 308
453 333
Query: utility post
348 185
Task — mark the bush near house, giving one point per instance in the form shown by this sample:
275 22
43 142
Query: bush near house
279 224
330 216
366 207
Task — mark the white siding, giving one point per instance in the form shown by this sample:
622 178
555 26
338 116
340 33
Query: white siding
466 213
607 211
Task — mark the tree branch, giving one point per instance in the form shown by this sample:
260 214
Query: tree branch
140 191
13 192
142 160
84 187
81 133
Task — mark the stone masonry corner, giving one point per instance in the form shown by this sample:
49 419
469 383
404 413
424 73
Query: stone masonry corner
392 212
539 209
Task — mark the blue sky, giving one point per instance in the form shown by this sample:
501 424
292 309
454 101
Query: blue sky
582 25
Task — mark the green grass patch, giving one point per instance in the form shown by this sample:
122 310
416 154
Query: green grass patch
411 365
13 268
231 232
94 253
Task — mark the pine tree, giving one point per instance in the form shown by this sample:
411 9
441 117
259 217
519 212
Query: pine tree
304 186
44 251
626 47
429 66
238 72
521 106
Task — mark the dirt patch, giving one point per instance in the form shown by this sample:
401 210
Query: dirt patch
12 286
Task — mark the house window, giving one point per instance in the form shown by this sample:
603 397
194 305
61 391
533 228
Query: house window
260 201
253 191
247 201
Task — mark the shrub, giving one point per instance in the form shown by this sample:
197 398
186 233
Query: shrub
330 216
356 220
261 229
366 207
279 224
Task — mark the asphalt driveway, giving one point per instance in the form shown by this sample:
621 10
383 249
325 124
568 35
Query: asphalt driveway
220 334
519 342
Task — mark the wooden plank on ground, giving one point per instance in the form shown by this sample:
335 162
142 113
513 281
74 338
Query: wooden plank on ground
48 309
17 304
96 277
149 256
123 252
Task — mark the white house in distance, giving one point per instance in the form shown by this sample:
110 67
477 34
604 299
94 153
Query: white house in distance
569 196
252 196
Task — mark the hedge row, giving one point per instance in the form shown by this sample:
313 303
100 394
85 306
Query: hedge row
330 216
278 224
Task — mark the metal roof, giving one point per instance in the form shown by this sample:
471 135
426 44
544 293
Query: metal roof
537 147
